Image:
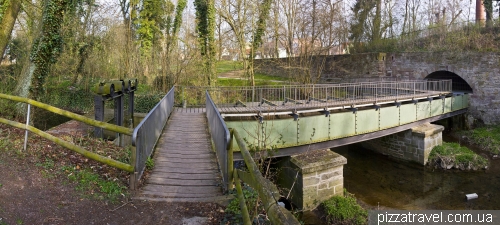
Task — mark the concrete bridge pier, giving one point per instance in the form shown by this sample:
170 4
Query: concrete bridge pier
414 144
312 177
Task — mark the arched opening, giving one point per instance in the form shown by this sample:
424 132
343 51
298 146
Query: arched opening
458 84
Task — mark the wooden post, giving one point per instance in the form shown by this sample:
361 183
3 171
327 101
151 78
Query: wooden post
133 161
268 192
241 198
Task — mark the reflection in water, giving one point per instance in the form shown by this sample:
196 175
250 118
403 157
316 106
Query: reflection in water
379 181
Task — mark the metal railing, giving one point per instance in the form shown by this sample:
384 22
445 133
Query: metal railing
147 133
220 136
300 96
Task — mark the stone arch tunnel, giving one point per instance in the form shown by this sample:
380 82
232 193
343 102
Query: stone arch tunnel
458 83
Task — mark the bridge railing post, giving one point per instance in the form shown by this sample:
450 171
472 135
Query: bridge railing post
230 158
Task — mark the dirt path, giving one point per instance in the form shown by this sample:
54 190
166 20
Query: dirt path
32 192
235 74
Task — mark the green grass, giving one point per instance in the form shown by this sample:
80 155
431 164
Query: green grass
91 183
344 210
260 80
227 66
261 76
458 155
241 82
150 163
488 138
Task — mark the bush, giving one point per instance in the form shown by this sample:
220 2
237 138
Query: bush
74 100
233 211
144 103
344 210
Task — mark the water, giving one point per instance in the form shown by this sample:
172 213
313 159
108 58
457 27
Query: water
381 182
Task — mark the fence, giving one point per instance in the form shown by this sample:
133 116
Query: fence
147 133
321 95
220 136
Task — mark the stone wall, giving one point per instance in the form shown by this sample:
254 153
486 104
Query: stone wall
412 145
313 177
480 70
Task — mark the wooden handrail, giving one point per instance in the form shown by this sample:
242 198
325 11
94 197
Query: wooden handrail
241 198
74 116
71 146
268 192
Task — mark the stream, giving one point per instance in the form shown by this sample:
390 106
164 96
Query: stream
381 182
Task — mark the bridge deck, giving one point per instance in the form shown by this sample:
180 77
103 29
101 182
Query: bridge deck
280 106
185 165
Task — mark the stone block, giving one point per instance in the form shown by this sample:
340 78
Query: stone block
318 160
426 130
339 189
325 194
337 172
335 182
310 181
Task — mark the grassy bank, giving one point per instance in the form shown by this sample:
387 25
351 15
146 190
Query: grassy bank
452 155
487 138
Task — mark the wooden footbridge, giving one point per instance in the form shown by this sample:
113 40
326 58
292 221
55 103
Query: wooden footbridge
185 165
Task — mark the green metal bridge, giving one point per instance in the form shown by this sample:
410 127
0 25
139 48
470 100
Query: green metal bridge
291 120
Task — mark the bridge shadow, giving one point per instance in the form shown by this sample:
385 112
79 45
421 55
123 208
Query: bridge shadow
458 83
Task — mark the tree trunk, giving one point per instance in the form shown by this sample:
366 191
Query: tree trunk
377 21
488 6
7 24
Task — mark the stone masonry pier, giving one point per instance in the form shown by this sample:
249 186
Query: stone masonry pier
412 145
313 177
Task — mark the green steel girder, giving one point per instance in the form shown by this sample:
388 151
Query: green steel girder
287 133
367 121
389 117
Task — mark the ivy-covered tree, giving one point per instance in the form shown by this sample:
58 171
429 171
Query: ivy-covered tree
151 23
174 26
366 25
205 15
265 7
44 51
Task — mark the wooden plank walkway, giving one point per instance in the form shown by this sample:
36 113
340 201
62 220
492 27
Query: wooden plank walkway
185 165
